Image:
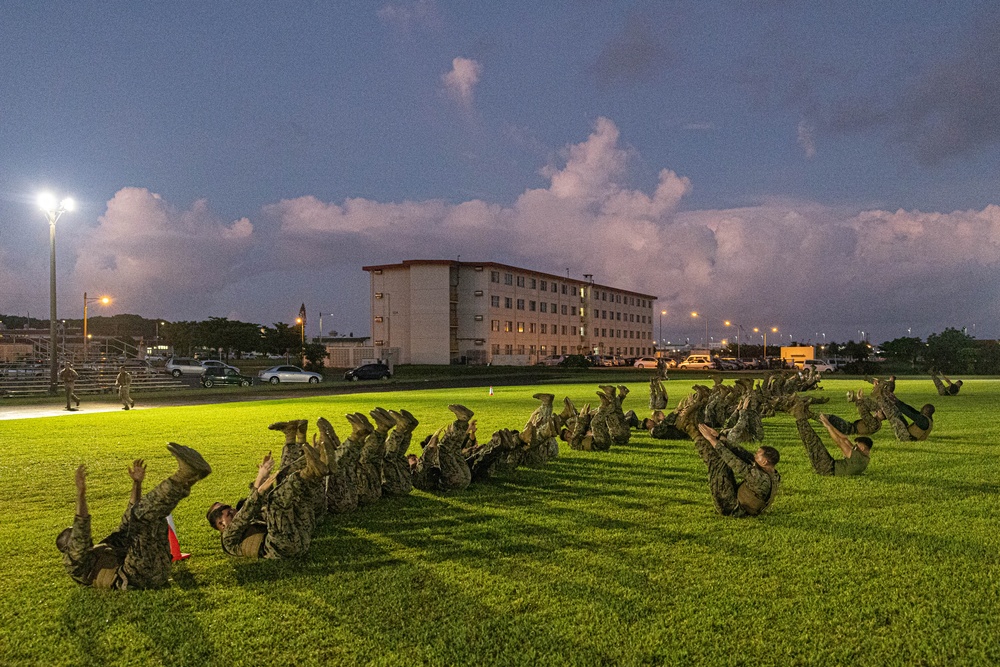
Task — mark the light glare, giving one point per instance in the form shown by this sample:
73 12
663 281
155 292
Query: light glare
47 201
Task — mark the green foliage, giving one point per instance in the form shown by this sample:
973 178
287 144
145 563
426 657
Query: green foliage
951 351
595 559
906 349
315 355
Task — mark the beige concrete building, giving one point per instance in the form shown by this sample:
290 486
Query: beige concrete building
443 311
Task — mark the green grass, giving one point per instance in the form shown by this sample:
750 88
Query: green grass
598 558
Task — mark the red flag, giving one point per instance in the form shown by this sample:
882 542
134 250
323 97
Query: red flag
175 546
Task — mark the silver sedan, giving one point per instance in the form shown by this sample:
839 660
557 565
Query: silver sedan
277 374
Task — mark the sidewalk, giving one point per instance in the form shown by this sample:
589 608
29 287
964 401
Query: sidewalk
31 411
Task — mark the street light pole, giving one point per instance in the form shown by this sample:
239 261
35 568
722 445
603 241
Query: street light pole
53 210
660 339
86 341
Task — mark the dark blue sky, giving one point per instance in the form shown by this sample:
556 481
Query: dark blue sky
829 167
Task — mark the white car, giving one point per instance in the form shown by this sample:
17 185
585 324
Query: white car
645 362
697 362
215 363
821 365
278 374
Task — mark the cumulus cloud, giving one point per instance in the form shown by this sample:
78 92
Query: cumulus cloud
462 79
406 17
801 266
146 251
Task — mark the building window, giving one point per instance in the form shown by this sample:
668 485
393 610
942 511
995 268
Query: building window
604 296
508 279
496 348
520 304
520 327
531 327
581 311
495 301
564 309
604 314
494 276
582 330
508 326
543 349
618 316
555 288
478 318
543 285
564 287
545 328
508 302
520 349
564 349
508 349
564 330
520 281
531 306
378 319
532 283
494 325
544 307
554 311
531 349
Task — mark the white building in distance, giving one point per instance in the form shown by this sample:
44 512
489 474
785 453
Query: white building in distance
446 312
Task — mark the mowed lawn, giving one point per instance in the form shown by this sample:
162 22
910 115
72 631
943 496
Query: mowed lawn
599 558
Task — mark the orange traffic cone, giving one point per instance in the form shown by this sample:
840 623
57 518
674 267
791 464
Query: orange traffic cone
491 391
175 546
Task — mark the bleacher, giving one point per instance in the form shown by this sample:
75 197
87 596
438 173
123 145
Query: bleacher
31 379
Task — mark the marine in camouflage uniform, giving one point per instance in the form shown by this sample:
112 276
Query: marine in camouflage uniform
341 489
276 520
69 376
397 479
728 461
922 421
292 459
426 470
856 454
137 554
487 459
124 383
952 388
455 473
543 445
871 416
368 474
657 395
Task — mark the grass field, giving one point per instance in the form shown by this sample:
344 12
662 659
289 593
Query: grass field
596 559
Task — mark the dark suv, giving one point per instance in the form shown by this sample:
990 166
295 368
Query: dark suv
369 372
214 376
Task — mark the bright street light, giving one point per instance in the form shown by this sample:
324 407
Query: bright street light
103 300
53 209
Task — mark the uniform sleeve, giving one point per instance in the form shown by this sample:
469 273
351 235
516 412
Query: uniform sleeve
79 558
232 536
737 464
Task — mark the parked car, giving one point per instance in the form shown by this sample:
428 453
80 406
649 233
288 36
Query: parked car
821 365
277 374
552 360
730 364
215 363
369 372
646 362
697 362
226 376
178 366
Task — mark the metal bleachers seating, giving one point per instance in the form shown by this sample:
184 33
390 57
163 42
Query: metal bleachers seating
30 379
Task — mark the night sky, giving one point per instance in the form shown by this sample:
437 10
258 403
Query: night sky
818 167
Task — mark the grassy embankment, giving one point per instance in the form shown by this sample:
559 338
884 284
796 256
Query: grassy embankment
598 558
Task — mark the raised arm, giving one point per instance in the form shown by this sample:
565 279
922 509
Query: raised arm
841 440
137 471
81 492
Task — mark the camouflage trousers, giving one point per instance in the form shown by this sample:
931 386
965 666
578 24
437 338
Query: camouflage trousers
141 540
71 394
721 481
291 516
125 396
820 458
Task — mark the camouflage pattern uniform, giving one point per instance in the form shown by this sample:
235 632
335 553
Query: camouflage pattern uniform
341 489
427 473
397 479
543 445
727 462
486 460
69 377
455 473
124 384
822 462
867 425
137 555
278 523
657 395
368 472
894 409
951 390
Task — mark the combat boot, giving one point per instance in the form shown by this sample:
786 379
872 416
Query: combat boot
300 431
413 423
546 399
383 420
527 434
191 466
289 428
461 412
315 468
360 426
800 410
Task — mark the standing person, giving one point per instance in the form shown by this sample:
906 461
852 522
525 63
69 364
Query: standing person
942 390
856 454
124 384
69 376
137 555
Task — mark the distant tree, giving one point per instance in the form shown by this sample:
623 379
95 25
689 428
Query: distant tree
906 349
856 351
282 339
315 354
951 351
181 336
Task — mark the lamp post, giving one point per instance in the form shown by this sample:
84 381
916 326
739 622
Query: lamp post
104 300
695 315
302 329
660 339
53 209
733 324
